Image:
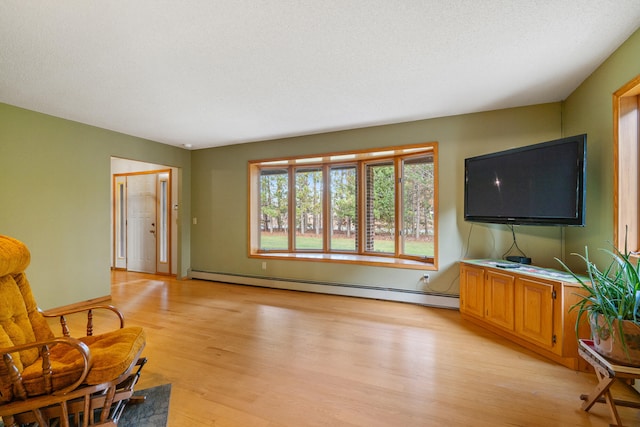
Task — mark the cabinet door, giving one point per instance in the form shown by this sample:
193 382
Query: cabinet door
472 290
534 311
499 299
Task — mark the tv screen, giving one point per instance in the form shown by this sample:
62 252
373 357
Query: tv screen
540 184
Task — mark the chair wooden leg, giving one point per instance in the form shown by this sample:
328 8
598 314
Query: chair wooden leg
603 386
603 391
37 413
86 411
106 409
64 410
136 400
612 408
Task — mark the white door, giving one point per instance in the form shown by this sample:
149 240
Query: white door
141 223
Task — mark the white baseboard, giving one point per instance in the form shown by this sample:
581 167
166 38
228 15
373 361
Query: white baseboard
388 294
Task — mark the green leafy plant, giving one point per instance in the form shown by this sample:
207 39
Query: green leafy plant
613 292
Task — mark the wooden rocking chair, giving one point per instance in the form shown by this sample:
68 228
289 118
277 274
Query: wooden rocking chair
59 380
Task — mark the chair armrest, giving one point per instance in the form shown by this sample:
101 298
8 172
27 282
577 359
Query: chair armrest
43 350
61 313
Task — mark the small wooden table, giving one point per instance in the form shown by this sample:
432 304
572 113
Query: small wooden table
607 372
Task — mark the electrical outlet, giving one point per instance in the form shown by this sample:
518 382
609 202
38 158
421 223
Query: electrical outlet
264 265
425 278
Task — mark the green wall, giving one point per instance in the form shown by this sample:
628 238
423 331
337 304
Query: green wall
55 192
589 110
219 189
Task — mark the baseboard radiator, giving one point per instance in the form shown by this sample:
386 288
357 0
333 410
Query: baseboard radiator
361 291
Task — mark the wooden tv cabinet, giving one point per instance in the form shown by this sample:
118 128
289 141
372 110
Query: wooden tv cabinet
528 305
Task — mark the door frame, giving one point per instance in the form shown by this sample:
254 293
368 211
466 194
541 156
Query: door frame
163 221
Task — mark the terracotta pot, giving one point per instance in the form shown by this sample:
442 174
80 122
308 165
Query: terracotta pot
608 343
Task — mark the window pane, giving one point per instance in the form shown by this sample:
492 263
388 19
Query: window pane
417 209
308 209
163 223
274 209
380 209
344 222
122 220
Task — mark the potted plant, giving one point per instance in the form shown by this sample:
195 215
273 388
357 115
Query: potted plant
611 303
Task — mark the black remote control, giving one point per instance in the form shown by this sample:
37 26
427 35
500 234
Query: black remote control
508 265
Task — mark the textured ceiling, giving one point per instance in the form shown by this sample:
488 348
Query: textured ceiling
209 73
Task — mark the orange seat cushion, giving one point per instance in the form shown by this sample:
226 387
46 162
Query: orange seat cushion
113 354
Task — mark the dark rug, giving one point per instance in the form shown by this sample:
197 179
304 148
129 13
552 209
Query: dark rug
154 412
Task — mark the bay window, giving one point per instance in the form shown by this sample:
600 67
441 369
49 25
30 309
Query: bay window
370 207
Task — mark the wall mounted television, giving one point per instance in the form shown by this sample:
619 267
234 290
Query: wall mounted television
540 184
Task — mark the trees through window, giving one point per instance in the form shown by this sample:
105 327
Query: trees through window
371 203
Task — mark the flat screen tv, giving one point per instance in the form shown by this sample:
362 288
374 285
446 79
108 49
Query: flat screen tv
540 184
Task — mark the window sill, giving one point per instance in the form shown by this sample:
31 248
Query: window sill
370 260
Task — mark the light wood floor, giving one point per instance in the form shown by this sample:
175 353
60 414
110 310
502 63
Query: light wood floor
244 356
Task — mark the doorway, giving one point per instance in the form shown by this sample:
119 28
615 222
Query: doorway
142 219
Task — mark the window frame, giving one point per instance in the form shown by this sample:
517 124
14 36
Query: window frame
293 203
626 127
329 204
358 159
